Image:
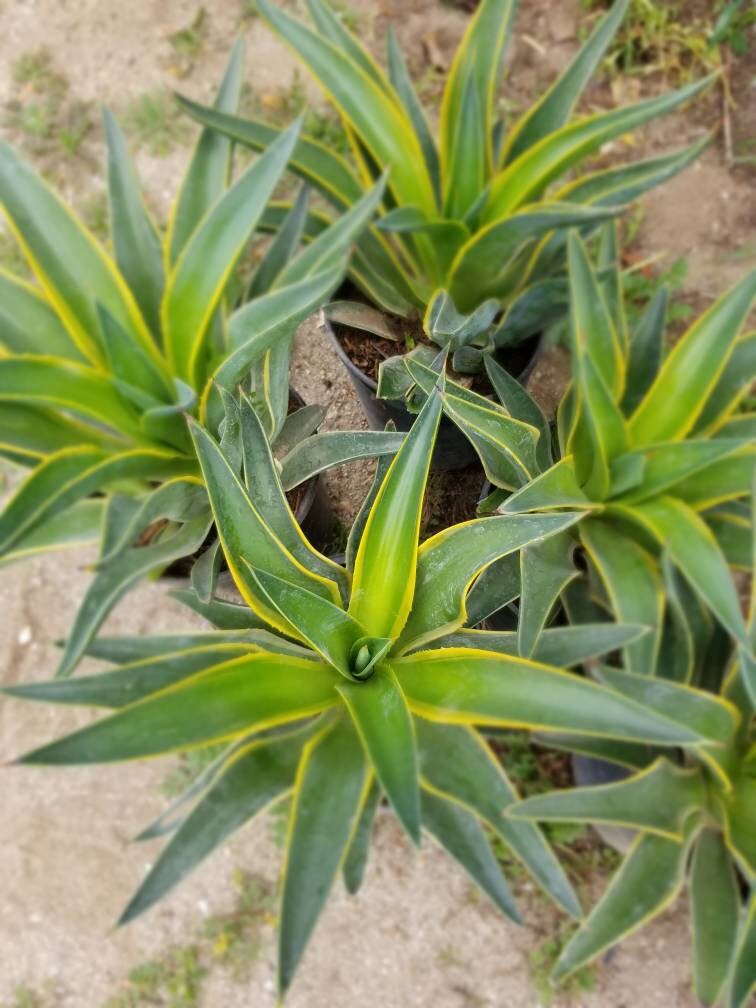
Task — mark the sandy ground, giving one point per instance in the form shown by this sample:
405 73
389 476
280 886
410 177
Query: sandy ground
416 936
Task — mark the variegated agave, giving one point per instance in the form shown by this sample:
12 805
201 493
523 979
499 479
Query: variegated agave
695 817
652 451
479 212
101 359
348 686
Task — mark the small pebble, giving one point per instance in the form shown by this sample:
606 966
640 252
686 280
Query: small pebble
25 635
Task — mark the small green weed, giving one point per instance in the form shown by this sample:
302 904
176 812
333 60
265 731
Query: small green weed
172 981
154 122
543 959
187 43
42 112
661 37
235 938
232 941
46 996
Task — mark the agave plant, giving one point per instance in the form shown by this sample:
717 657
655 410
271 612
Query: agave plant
99 362
695 823
342 691
652 450
479 212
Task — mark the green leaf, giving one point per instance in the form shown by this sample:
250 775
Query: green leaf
56 382
284 245
648 881
668 464
466 166
199 276
376 115
483 265
384 724
136 244
400 78
709 716
526 177
28 323
718 483
79 525
135 376
732 385
331 27
329 173
71 475
657 800
132 681
356 859
457 763
114 578
448 562
61 252
324 451
623 184
328 794
209 170
477 64
715 910
519 403
244 532
30 433
358 525
557 487
742 978
646 351
546 568
268 497
667 411
695 552
462 686
250 782
555 107
325 626
384 570
741 819
270 320
461 835
127 650
205 570
219 612
594 334
631 579
493 589
506 447
252 692
562 646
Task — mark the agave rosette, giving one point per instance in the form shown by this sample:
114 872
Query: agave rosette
340 686
695 822
653 450
101 359
478 211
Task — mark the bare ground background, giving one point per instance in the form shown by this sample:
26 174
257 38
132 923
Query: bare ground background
417 935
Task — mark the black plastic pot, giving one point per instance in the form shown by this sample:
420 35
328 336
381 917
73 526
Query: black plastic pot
453 450
589 772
